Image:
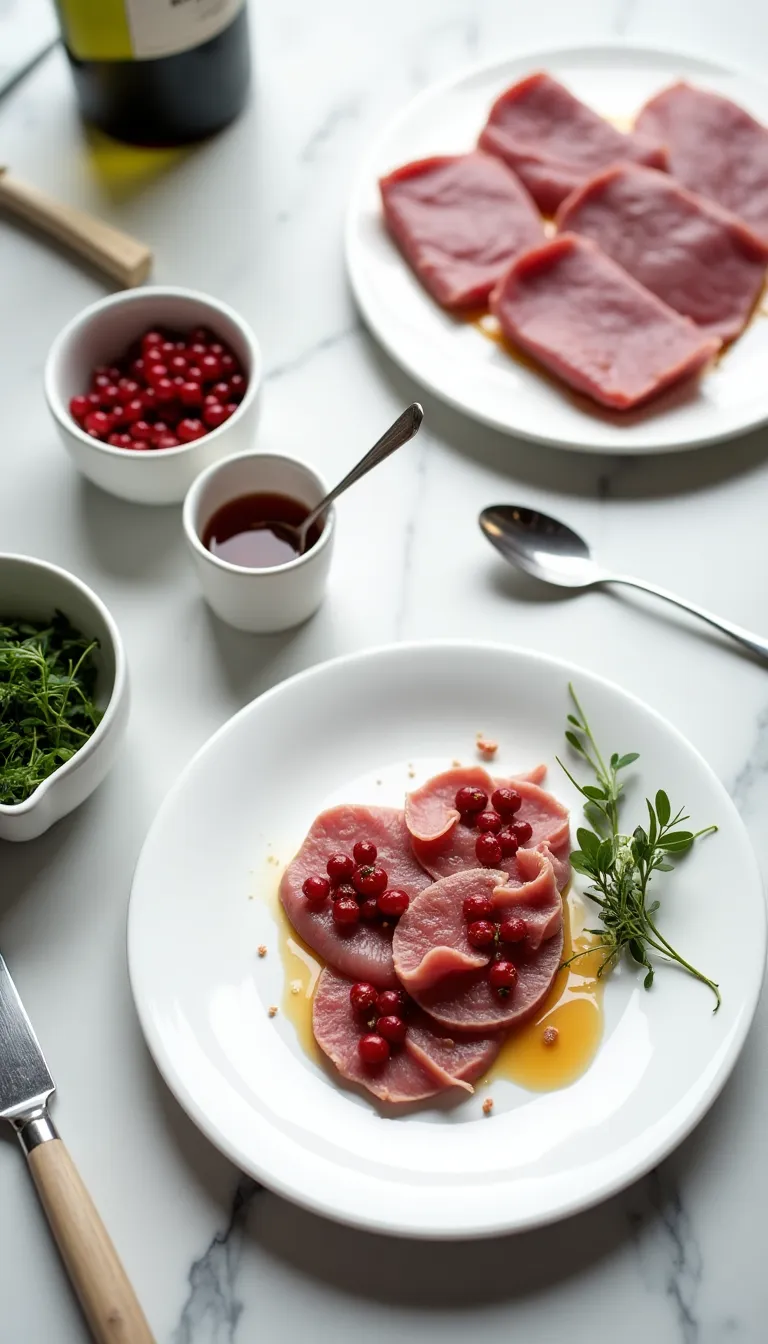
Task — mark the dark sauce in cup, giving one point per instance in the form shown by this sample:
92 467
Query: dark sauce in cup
246 532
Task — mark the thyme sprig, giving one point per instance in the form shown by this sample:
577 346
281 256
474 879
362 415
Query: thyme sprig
621 866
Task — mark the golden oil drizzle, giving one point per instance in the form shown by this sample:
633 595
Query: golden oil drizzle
574 1007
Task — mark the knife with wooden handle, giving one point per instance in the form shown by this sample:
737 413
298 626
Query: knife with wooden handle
109 1303
120 256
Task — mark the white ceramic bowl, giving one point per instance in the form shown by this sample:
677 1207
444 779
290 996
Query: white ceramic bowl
35 589
104 331
259 601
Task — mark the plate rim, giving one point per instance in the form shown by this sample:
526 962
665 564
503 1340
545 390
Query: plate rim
367 1219
354 270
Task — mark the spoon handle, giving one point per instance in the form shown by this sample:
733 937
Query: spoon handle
737 632
403 429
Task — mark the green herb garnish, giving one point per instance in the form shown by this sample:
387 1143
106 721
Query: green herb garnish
621 866
47 706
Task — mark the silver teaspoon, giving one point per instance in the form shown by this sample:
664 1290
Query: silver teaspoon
551 551
403 429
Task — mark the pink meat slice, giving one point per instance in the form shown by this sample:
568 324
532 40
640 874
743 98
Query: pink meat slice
700 259
587 320
430 1061
363 951
443 845
715 148
459 222
431 937
433 955
554 142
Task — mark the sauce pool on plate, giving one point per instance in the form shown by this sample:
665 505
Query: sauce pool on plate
246 531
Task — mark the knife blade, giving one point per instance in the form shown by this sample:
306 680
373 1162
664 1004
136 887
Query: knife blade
109 1303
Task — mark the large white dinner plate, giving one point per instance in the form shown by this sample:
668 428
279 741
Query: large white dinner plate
202 904
452 358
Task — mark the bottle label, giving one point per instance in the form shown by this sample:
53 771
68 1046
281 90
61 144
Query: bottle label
124 30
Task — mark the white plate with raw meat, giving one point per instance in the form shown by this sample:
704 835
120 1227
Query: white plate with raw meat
365 729
460 357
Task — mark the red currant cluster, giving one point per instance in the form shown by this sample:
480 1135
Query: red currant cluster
359 889
486 929
384 1012
499 836
167 390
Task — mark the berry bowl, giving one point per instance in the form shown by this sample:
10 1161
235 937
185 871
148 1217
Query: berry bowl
140 428
33 590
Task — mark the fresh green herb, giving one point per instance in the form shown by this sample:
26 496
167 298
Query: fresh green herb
47 706
621 866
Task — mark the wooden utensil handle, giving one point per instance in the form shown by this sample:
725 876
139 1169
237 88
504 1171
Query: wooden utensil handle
107 1298
123 258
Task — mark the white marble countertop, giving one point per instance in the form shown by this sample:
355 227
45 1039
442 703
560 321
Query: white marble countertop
255 218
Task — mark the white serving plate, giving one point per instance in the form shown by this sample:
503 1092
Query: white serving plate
452 358
202 902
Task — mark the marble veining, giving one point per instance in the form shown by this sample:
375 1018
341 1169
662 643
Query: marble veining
213 1309
670 1257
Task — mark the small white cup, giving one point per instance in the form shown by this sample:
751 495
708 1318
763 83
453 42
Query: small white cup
259 601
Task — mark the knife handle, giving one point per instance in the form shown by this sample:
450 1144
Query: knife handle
109 1303
122 257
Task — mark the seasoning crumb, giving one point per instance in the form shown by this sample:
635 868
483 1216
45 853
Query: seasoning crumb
272 1011
262 949
385 923
487 748
295 986
488 1106
550 1035
379 781
411 772
455 763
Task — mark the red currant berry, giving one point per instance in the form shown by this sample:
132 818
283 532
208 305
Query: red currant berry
394 902
391 1002
373 1048
508 841
100 380
344 891
164 391
120 440
506 801
488 850
201 335
167 441
392 1028
127 389
364 852
369 881
155 373
178 363
346 910
150 339
79 407
228 364
362 996
141 429
316 890
133 410
98 424
210 367
477 907
197 349
166 350
237 386
139 445
139 369
190 394
109 395
513 930
340 866
369 908
481 933
471 800
214 415
523 830
489 821
189 430
503 977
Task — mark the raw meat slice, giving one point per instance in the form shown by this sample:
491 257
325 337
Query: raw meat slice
429 1062
459 222
594 326
715 148
443 845
431 941
698 258
364 950
433 954
554 142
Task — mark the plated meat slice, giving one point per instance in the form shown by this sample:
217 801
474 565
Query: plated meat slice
443 844
449 977
715 148
362 950
429 1061
700 259
554 142
585 318
459 221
